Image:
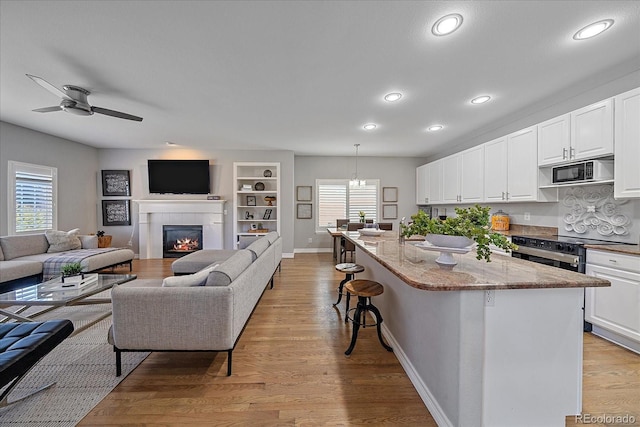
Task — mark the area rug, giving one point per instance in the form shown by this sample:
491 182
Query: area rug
83 367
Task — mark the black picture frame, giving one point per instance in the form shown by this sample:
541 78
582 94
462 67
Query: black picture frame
251 200
116 183
116 212
267 214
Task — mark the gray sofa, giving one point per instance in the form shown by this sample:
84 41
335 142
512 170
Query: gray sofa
204 311
24 258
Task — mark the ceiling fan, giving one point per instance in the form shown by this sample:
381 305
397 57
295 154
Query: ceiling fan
74 100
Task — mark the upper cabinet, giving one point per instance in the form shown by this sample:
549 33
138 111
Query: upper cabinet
495 170
627 150
592 131
522 165
583 134
554 140
422 185
435 182
472 174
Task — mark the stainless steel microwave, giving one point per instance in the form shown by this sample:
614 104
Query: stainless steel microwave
587 171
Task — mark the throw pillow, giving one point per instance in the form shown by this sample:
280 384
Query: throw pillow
195 279
89 242
61 241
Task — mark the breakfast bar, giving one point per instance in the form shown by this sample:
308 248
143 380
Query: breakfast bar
492 344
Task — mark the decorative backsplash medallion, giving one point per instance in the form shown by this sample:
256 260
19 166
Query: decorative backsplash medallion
595 209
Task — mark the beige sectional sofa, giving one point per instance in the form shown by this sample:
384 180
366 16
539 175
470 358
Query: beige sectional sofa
24 258
204 311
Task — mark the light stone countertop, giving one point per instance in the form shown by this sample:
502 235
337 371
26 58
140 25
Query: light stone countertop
620 248
417 268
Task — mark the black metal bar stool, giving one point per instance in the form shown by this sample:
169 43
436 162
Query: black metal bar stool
364 290
350 269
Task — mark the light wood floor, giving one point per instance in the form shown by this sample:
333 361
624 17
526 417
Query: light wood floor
289 369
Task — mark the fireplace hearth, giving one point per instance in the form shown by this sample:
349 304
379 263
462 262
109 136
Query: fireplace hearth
180 240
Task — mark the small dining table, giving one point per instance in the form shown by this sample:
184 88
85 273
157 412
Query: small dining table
336 234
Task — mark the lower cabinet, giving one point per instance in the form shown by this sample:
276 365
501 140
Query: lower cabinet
614 311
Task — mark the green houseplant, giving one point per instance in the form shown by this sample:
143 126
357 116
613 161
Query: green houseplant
71 269
472 223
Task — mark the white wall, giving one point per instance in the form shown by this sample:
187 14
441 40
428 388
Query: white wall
222 184
391 171
77 177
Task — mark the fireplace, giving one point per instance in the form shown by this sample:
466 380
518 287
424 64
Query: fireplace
180 240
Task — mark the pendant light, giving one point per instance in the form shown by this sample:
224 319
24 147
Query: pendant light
355 181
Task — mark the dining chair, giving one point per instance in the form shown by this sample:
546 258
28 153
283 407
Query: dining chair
346 245
385 225
341 222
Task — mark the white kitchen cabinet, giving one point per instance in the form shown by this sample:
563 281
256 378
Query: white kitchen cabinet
554 140
422 185
592 131
462 176
471 175
451 179
495 170
522 165
511 169
614 311
627 146
435 182
583 134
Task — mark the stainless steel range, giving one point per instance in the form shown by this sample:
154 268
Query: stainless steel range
564 252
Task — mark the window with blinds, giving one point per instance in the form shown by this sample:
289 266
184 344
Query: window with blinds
338 200
32 197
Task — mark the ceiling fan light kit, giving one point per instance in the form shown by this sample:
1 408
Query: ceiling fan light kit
74 101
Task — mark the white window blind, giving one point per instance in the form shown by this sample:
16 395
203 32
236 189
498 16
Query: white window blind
338 200
33 188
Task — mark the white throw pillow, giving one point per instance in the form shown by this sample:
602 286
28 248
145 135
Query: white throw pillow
195 279
60 241
89 241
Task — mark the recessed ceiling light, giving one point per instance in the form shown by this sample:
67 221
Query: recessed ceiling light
447 24
593 30
392 97
434 128
170 144
370 126
480 99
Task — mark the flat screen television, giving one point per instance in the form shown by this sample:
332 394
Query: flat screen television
179 176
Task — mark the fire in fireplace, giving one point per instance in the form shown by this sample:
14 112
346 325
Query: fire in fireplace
180 240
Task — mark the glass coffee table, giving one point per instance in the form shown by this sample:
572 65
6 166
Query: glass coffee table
53 294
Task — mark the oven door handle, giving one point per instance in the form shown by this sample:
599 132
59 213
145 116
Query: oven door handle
555 256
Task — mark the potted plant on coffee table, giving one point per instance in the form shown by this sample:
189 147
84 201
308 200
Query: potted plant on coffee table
71 270
470 225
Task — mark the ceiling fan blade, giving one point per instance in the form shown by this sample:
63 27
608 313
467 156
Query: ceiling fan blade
48 109
48 86
117 114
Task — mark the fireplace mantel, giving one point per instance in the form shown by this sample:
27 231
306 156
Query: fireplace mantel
153 214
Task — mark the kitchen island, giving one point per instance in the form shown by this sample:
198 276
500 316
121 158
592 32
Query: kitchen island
485 344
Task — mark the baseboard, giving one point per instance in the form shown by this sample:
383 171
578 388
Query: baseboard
287 255
430 402
312 250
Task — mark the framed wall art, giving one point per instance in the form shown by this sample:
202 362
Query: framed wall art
303 193
251 200
267 214
389 194
116 183
304 211
116 212
389 211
